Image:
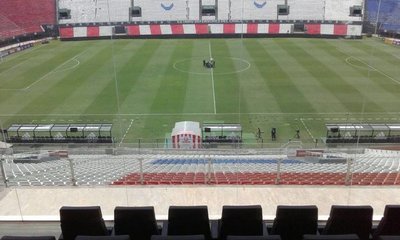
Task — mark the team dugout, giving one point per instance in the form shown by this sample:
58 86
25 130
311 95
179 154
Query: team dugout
221 133
59 133
362 133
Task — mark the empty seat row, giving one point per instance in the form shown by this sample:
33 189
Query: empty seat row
201 237
290 223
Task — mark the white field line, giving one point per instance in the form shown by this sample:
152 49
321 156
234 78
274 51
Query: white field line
212 80
307 129
77 62
55 70
126 132
380 114
373 68
356 66
379 71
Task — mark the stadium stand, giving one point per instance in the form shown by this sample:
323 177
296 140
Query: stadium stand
100 11
9 29
388 18
92 19
298 10
21 17
340 10
373 167
183 10
310 10
169 18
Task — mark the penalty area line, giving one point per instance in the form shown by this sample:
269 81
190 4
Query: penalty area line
126 132
307 129
365 63
55 70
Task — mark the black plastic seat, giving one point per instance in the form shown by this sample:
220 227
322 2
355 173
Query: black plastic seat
270 237
349 220
137 222
188 220
390 222
386 237
120 237
331 237
86 221
292 222
175 237
28 238
241 221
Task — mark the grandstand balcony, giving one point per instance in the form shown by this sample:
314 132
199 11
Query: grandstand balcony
103 11
21 17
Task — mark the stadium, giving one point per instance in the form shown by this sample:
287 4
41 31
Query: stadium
279 118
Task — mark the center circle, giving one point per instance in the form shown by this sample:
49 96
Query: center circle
223 66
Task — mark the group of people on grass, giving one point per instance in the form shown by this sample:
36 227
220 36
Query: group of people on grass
209 63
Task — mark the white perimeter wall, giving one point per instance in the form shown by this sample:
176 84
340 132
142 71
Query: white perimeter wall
90 11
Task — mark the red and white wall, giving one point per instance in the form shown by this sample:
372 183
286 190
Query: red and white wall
69 32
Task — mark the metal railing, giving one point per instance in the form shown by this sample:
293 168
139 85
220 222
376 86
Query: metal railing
291 165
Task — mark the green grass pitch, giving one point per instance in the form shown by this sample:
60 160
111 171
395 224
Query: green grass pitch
145 86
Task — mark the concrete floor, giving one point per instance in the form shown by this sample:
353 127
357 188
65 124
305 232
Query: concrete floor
43 203
34 210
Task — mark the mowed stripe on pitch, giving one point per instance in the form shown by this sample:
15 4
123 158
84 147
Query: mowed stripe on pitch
129 66
39 65
289 97
360 77
255 94
168 87
227 87
311 87
327 71
199 93
86 96
17 101
370 82
54 96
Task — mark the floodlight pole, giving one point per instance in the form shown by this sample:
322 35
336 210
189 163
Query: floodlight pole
209 170
348 171
71 166
278 172
2 132
377 17
141 171
3 171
